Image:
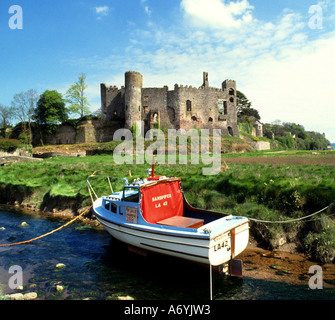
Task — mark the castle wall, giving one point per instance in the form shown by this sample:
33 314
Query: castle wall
97 130
156 109
112 103
64 135
198 107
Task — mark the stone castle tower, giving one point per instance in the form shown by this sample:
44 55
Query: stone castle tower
183 107
133 98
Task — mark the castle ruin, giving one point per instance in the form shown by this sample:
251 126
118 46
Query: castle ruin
184 107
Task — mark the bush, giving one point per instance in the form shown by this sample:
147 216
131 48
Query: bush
24 138
321 244
9 145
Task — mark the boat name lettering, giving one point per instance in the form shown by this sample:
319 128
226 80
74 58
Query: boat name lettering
165 196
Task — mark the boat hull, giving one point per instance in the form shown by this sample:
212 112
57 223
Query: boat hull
193 246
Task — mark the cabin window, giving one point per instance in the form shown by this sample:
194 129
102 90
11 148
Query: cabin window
113 207
131 194
107 204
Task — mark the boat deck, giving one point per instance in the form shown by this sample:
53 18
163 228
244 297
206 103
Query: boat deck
182 222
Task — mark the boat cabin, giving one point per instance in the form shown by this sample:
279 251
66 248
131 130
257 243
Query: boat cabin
155 201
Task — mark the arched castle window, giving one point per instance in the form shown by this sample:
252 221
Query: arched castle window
230 130
171 114
231 100
231 92
194 118
155 117
188 105
210 120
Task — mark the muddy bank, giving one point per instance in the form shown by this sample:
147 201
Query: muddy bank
283 266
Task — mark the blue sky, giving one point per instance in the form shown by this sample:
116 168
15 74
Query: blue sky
285 67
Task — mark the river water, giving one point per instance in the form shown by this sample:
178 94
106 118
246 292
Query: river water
99 268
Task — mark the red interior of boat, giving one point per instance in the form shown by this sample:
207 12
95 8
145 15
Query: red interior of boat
162 201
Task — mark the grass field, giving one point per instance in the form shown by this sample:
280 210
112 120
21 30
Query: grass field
268 186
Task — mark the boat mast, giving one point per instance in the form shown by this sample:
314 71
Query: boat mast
153 168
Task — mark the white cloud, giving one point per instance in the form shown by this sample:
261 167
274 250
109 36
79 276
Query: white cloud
216 13
102 11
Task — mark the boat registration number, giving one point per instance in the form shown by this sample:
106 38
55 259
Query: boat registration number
131 214
221 245
222 241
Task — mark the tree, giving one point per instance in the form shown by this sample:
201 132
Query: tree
244 111
24 104
76 97
6 115
51 110
242 101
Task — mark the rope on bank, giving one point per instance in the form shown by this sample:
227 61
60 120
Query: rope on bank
292 220
47 234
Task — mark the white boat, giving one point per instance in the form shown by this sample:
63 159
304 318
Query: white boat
152 214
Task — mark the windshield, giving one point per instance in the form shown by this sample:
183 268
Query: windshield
131 194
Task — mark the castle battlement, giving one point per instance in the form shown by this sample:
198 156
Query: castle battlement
110 88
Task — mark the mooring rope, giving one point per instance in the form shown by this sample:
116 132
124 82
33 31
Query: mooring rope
292 220
47 234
